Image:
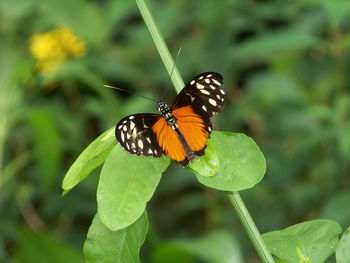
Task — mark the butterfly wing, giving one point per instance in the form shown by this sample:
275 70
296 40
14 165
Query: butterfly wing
203 93
198 101
135 134
195 128
169 141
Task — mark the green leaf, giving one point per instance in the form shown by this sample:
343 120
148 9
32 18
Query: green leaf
94 155
41 248
215 247
316 240
105 246
242 165
126 184
301 257
342 253
207 165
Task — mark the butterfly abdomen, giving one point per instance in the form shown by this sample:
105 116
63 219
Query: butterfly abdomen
189 152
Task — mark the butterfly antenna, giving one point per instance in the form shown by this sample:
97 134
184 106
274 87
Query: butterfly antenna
172 69
112 87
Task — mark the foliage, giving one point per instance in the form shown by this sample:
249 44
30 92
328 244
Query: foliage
315 240
124 245
285 65
342 253
126 184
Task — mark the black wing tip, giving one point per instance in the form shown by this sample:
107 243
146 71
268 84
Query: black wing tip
183 163
201 152
216 75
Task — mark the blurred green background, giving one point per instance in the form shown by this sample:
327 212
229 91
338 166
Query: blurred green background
286 68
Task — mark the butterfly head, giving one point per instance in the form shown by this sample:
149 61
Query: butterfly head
163 108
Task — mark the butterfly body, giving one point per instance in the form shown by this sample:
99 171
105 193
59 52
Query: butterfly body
180 131
165 111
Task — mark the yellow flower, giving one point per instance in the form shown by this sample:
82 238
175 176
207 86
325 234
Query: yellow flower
50 49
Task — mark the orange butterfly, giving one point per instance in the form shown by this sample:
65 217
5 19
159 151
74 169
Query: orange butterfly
180 132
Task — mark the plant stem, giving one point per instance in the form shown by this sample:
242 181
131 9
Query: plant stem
160 44
178 83
250 227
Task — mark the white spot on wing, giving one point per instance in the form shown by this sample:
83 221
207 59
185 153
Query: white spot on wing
216 82
218 96
128 136
204 108
149 140
200 86
133 145
205 92
192 82
222 91
212 87
122 136
134 133
209 75
120 126
192 98
212 102
132 125
207 81
140 144
200 77
150 151
131 117
125 128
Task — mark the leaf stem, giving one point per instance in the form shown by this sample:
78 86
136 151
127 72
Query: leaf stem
250 227
178 83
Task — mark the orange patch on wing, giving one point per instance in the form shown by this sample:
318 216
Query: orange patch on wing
168 140
192 127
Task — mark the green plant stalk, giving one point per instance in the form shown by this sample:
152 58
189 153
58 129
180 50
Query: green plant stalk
160 44
250 227
178 83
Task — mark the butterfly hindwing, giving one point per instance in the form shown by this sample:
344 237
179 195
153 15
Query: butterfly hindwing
135 134
203 93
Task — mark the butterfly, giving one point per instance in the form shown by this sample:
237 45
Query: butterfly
181 131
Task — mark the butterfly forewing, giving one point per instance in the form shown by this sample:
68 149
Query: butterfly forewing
203 93
135 134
